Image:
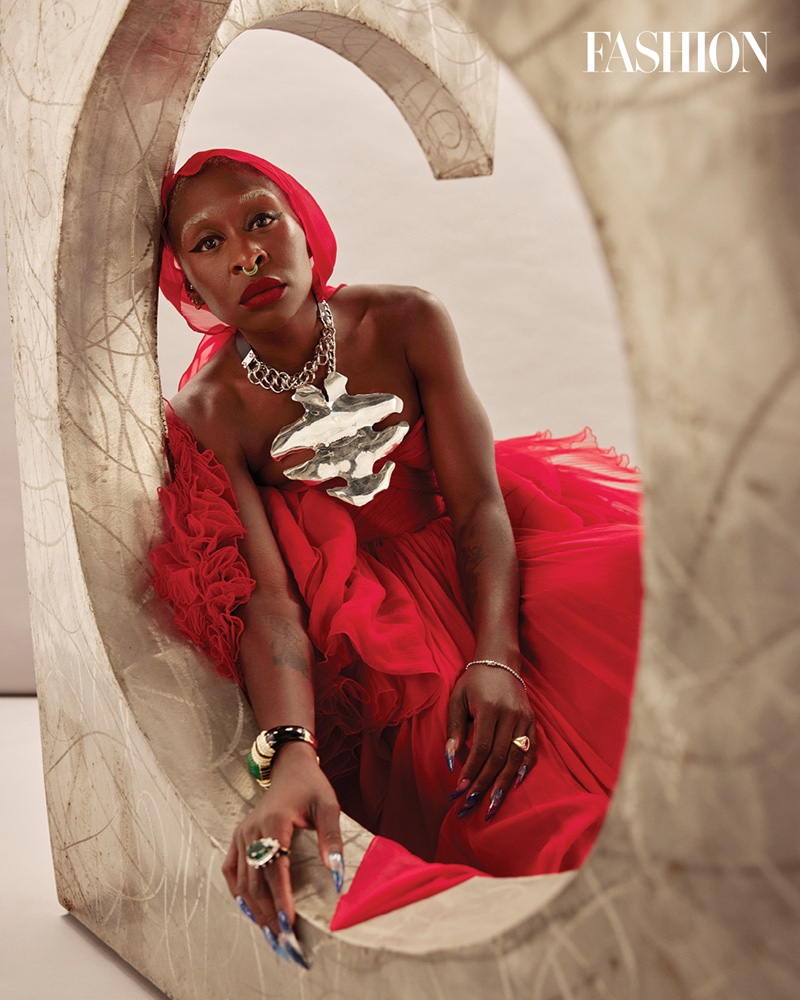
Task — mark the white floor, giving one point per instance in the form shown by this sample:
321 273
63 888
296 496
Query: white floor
44 952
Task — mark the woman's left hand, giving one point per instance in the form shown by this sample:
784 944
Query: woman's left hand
498 707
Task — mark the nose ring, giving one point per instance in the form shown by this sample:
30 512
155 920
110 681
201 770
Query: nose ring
250 273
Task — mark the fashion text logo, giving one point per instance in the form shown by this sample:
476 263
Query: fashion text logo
676 52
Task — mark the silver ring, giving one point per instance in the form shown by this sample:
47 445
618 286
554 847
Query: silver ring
263 852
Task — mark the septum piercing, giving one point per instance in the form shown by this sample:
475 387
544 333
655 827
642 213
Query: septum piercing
250 273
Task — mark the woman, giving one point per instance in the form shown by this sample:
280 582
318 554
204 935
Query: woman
374 602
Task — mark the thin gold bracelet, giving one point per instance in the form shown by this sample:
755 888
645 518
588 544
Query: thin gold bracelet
502 666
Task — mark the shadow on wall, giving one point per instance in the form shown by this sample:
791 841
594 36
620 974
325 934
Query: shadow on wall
16 658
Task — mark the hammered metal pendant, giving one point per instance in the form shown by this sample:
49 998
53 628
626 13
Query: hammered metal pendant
338 427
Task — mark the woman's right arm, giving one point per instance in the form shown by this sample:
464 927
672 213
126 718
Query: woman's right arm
276 659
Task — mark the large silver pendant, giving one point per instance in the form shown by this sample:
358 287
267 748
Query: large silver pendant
338 427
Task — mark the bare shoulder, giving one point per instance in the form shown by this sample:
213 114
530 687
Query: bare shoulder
407 300
212 409
404 311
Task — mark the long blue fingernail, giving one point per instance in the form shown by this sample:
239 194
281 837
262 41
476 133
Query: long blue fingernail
450 754
521 775
469 805
273 943
336 861
461 787
245 909
494 803
288 940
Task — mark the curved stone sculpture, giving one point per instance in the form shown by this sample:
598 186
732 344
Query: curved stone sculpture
692 888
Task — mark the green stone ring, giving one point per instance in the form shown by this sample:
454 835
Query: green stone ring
263 852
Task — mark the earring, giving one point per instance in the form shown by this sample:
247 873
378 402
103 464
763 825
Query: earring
194 298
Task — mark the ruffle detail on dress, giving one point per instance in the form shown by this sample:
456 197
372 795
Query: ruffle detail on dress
198 568
598 486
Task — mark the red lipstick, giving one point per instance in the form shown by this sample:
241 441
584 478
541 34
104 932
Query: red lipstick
262 292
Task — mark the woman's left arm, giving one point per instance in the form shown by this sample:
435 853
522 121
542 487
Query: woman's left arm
462 449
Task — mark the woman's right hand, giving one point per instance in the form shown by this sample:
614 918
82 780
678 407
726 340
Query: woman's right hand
299 796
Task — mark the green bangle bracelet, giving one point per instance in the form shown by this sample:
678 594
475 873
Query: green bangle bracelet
266 745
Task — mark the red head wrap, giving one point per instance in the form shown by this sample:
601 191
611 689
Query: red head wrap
319 237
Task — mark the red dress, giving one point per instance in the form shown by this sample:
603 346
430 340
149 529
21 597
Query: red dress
392 633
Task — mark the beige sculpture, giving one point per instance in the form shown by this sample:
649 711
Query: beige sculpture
692 890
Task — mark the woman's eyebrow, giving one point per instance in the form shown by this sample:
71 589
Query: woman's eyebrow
253 195
200 217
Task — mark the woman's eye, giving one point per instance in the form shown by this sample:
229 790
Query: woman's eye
264 219
207 243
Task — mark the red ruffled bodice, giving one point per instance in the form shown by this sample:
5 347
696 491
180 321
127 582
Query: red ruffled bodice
199 568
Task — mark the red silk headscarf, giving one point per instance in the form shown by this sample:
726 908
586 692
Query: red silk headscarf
172 281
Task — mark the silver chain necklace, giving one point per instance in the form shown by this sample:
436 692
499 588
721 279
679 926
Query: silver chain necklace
260 373
336 426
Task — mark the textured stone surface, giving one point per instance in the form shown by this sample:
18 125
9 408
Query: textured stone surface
692 890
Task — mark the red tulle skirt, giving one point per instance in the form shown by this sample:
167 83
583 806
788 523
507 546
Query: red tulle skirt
392 633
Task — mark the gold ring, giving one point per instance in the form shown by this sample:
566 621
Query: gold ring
523 742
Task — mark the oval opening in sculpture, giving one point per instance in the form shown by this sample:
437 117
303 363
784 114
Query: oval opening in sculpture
549 356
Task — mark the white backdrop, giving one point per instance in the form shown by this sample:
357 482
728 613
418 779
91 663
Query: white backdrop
536 316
